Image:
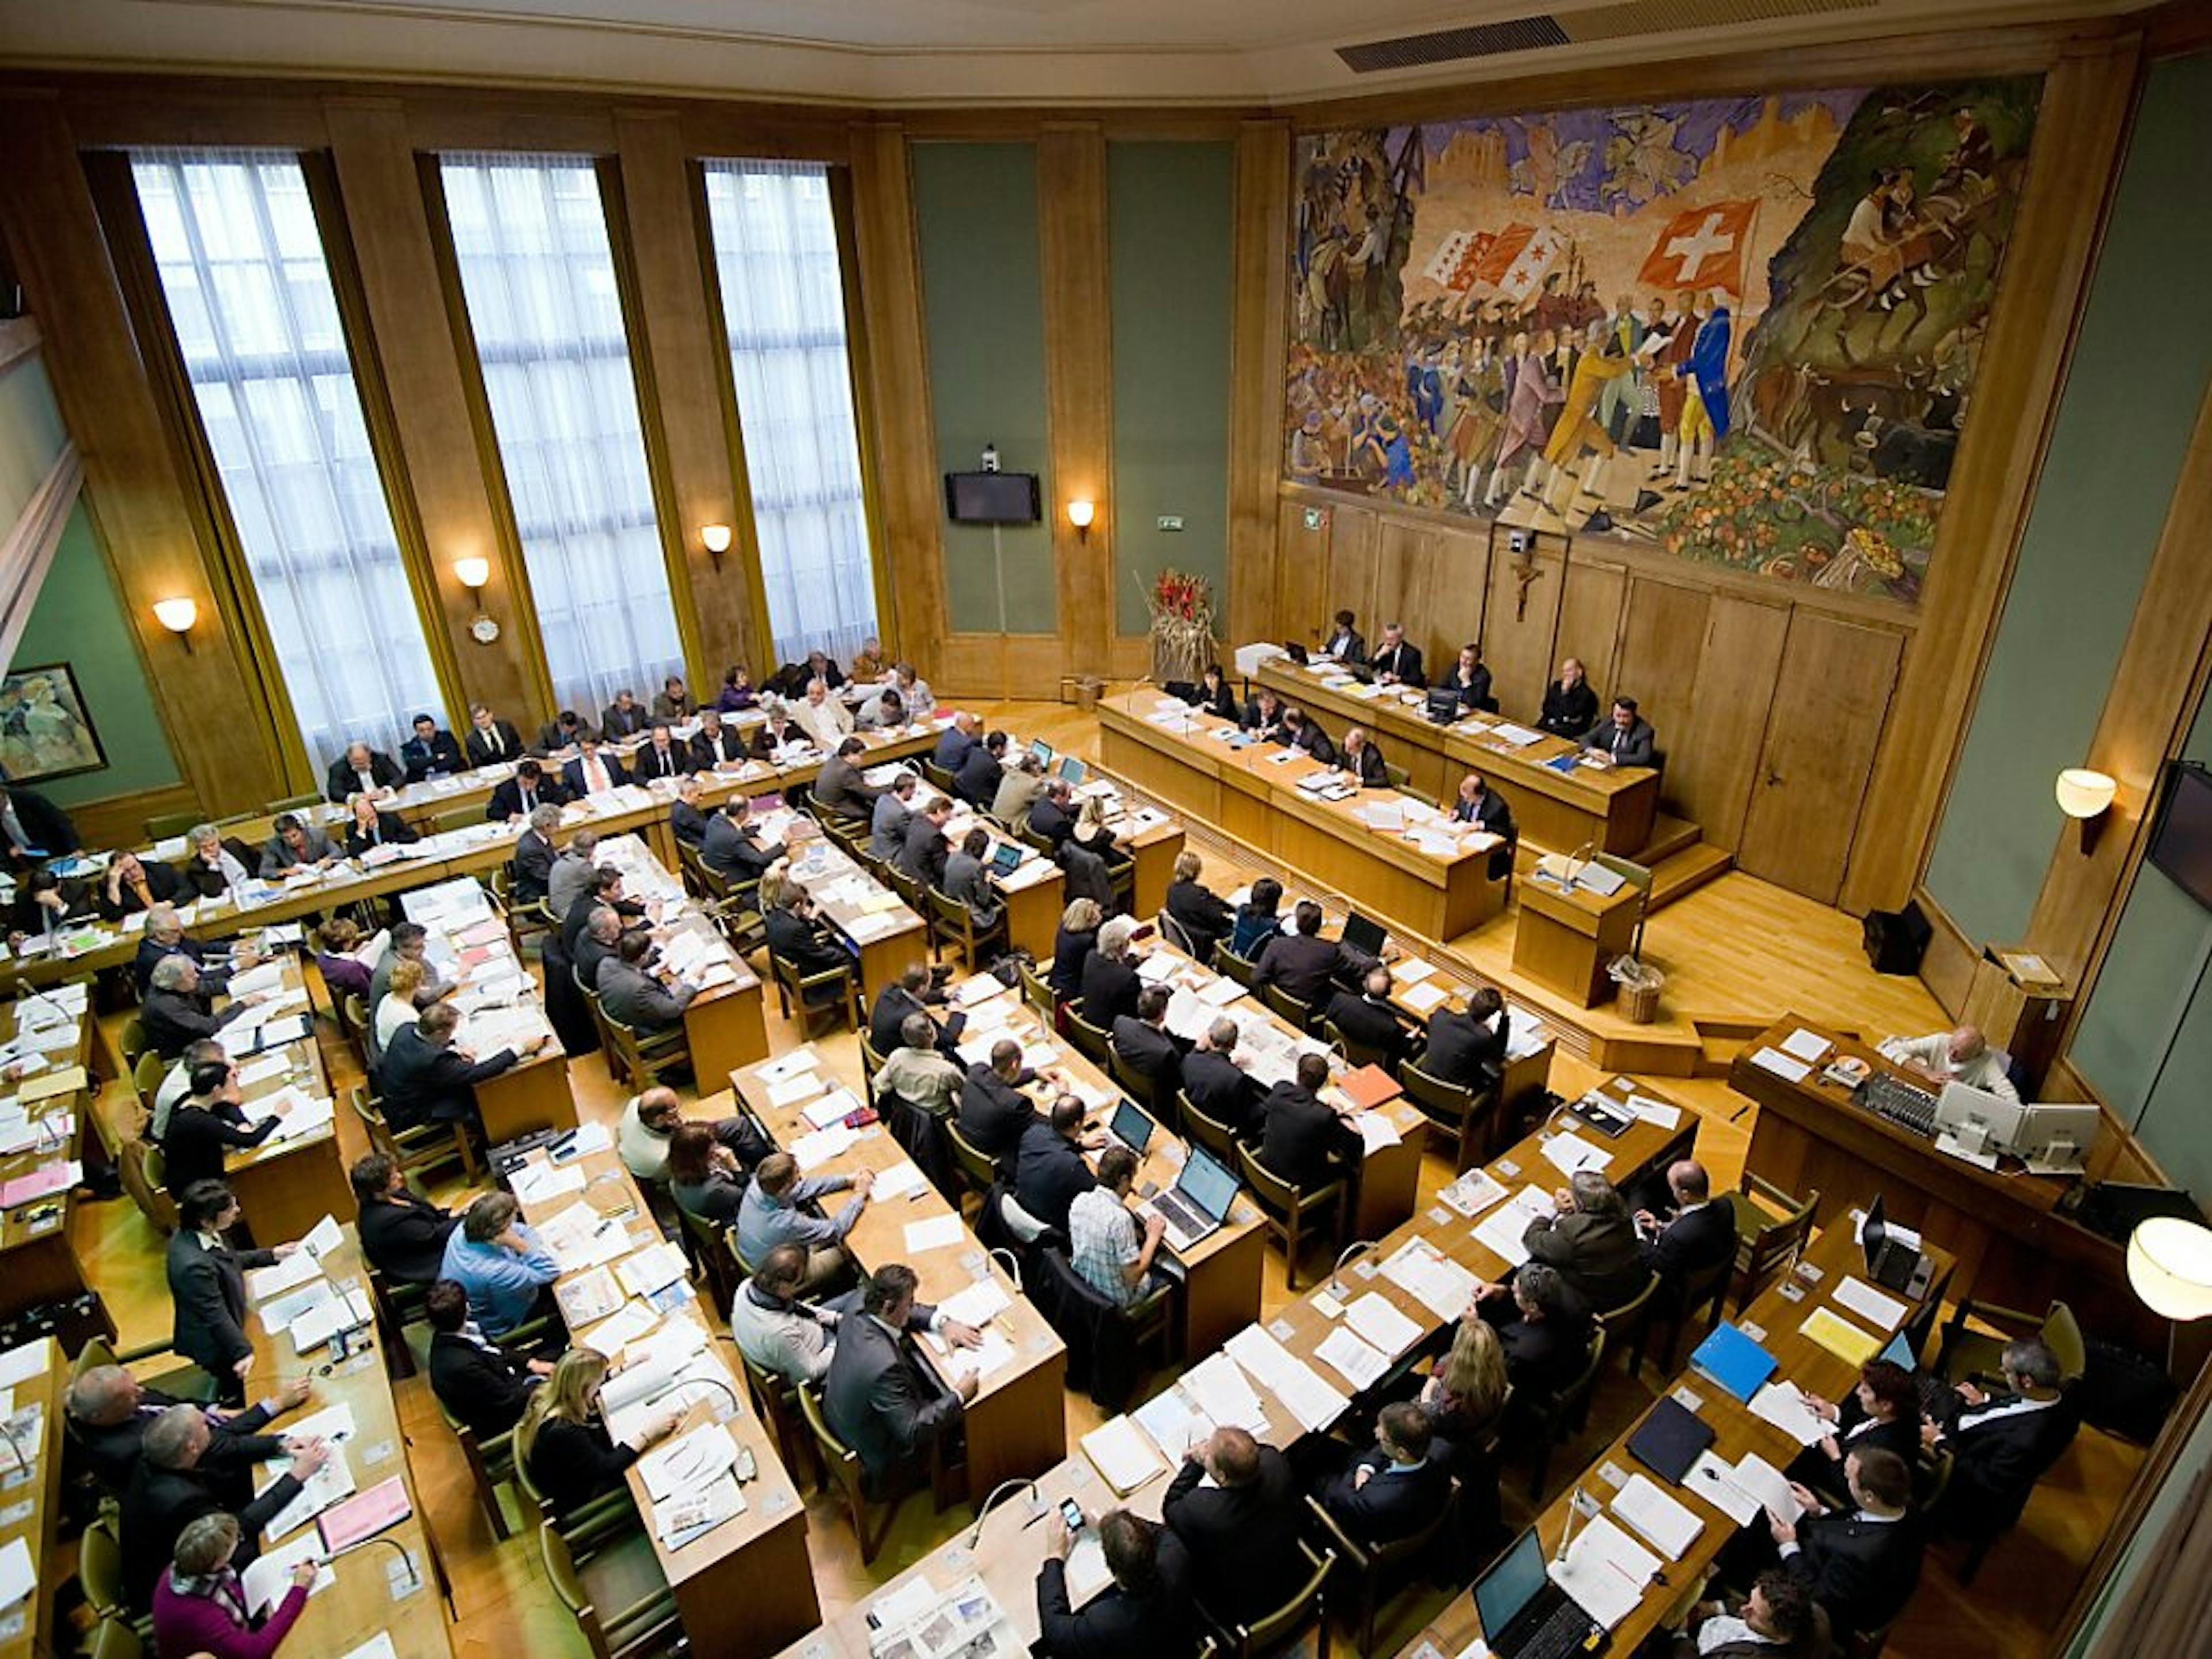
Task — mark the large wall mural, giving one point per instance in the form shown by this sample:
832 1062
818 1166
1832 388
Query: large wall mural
1744 332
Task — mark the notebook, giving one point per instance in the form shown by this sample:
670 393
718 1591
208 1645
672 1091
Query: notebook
1734 1360
1670 1438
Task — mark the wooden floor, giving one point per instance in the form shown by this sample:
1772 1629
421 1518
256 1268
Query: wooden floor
1738 939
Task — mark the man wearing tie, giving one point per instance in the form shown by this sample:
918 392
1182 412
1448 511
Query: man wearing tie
491 740
593 771
1628 739
661 757
431 752
361 771
879 1397
1395 662
519 796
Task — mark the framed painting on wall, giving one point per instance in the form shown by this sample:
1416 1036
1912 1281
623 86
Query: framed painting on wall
45 731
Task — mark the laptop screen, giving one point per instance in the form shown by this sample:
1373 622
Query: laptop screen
1042 750
1511 1585
1206 1184
1131 1126
1873 1232
1004 861
1071 770
1364 935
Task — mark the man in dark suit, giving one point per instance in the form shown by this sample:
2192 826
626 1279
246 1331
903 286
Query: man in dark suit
1302 732
625 717
1394 1489
1305 1141
484 1385
1147 1047
879 1398
491 740
596 946
207 1286
371 828
634 996
841 791
1543 1326
1693 1234
564 731
165 936
176 1010
1570 706
1367 1018
1864 1565
981 771
1143 1611
715 744
1482 806
534 854
1777 1621
1468 1046
1217 1085
430 752
109 1411
1344 642
1110 982
2002 1442
733 849
924 853
519 796
1362 756
168 1492
1241 1526
952 747
1054 815
687 819
1049 1173
796 936
425 1081
994 1110
402 1236
33 827
660 755
1396 662
1627 739
605 892
914 992
1203 913
1304 963
594 769
1591 1243
1263 716
361 771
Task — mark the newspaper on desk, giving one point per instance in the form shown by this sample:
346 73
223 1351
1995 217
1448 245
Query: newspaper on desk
1501 1231
917 1622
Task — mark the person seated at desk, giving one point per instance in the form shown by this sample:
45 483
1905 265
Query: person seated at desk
1470 679
1258 919
841 790
108 1412
733 848
131 885
495 1257
564 1442
593 771
913 691
1542 1325
1686 1233
207 1288
1144 1044
574 878
1345 642
914 992
41 906
522 795
687 819
821 666
777 731
736 693
1234 1504
361 770
32 827
2002 1442
893 813
1861 1565
1053 816
1019 789
1362 756
372 827
994 1110
177 1007
1394 1488
967 881
885 711
647 1128
1468 1046
490 741
335 945
981 770
1590 1242
922 856
481 1385
1466 1389
1217 1085
778 1331
625 717
531 865
634 997
207 1124
599 943
402 1236
1110 980
1570 706
1777 1620
295 844
706 1176
1263 716
825 719
425 1079
1213 694
1073 944
869 663
1145 1609
715 747
1366 1017
1626 739
1480 804
1048 1163
781 1207
1963 1056
660 755
1395 661
1304 1141
795 937
431 752
169 1490
879 1397
1299 960
213 866
672 703
177 1083
1203 914
1883 1412
919 1072
1303 733
565 731
407 941
1091 833
1109 1248
165 936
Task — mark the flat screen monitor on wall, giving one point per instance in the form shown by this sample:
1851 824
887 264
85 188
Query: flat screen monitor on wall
991 497
2182 844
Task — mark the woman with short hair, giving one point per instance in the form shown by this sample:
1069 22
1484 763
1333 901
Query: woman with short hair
199 1606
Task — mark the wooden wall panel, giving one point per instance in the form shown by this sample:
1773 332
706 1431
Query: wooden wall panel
1589 619
1354 533
1712 753
1404 574
1302 566
1072 238
1453 607
1519 624
1661 644
1260 330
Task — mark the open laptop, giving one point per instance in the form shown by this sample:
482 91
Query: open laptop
1525 1615
1296 652
1006 860
1072 771
1042 750
1364 935
1197 1205
1131 1126
1891 1262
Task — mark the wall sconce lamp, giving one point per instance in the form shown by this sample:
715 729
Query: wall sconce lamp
177 616
472 575
2087 797
716 539
1080 515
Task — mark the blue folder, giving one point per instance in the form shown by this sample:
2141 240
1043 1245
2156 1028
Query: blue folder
1735 1361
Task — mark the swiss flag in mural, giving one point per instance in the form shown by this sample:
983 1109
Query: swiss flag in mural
1702 247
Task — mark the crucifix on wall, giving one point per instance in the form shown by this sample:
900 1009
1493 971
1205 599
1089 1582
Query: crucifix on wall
1527 570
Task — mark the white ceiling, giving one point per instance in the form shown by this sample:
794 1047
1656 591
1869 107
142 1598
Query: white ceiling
884 51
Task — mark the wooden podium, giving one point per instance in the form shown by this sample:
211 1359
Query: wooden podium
1565 940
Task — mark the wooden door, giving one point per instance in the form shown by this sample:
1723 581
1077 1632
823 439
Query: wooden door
1821 729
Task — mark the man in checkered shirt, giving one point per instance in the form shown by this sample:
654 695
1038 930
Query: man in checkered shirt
1103 1234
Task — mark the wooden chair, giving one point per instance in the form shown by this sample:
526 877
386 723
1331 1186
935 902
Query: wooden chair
1358 1053
777 1402
133 1041
979 1171
1626 1326
1230 965
1771 1229
703 1241
1132 1082
1305 1610
585 1530
1290 1213
147 1075
1092 1041
397 1306
1467 1118
792 987
843 1466
1968 1354
645 1058
425 1146
1560 1417
296 804
163 825
100 1575
1211 1132
649 1624
1036 988
1374 1566
1399 776
1296 1010
1638 876
870 1062
144 1184
951 922
112 1639
937 777
1678 1309
491 1466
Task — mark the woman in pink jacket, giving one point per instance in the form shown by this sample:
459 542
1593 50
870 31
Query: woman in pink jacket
199 1606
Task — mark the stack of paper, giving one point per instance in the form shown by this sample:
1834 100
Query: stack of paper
1443 1286
1124 1458
812 1150
1500 1231
1300 1389
1473 1192
1885 1312
1351 1358
1781 1404
1668 1526
1571 1154
1218 1387
325 1487
1715 1481
1374 1318
269 1579
1840 1337
1174 1423
536 1184
1605 1571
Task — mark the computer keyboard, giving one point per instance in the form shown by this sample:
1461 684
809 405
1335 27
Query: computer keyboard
1182 1215
1901 1103
1563 1634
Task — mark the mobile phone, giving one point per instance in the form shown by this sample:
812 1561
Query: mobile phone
1071 1513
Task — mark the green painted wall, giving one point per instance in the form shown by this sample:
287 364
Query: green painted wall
78 620
1168 208
2123 421
975 212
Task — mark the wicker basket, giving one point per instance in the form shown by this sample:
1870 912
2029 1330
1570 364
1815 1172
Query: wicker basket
1639 1003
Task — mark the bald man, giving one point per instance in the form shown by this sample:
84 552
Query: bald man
1960 1056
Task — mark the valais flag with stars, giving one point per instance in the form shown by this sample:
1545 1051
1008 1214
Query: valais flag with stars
1702 247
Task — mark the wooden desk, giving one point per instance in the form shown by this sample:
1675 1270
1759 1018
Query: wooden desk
1035 894
888 937
1563 941
1016 1423
27 1630
285 1187
2013 1246
1613 808
747 1587
1774 1320
1251 794
39 1261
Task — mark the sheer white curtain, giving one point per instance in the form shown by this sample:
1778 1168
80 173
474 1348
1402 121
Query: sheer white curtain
539 275
241 264
775 254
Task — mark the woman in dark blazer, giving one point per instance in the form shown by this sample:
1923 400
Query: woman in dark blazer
704 1176
564 1443
1214 696
1071 947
